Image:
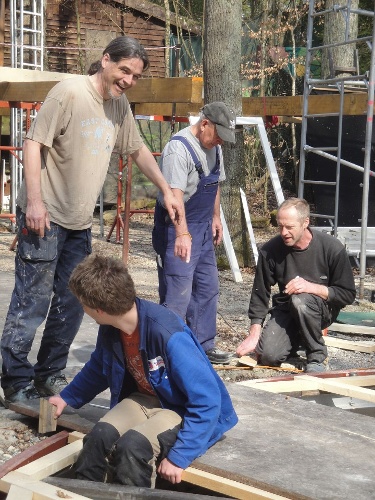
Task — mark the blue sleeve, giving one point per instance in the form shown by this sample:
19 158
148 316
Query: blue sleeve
88 383
189 370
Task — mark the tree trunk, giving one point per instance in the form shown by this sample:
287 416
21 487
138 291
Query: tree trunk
339 61
221 70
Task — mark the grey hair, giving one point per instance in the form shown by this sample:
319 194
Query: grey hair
301 206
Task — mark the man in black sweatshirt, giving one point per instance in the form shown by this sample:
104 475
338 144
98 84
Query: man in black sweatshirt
315 280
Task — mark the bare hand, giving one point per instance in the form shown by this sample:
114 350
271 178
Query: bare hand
167 470
37 218
297 285
173 205
251 341
59 403
182 247
217 231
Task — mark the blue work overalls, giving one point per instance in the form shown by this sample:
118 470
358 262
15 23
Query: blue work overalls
191 289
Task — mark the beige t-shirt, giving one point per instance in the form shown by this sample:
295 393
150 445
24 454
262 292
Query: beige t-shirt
79 131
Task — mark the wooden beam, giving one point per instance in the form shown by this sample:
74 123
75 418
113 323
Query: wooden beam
154 96
47 420
350 345
353 329
338 387
167 90
36 451
52 463
39 489
226 486
17 492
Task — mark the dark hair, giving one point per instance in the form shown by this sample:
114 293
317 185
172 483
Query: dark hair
126 47
103 283
301 206
94 67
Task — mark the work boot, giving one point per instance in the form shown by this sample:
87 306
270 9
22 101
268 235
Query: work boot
218 357
315 367
51 386
23 395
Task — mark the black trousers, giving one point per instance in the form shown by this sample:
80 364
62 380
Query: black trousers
298 323
127 444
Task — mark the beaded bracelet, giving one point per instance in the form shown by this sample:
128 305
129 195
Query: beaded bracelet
185 234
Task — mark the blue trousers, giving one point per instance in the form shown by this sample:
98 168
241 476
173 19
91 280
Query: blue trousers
42 270
190 290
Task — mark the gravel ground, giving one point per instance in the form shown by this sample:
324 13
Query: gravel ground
19 432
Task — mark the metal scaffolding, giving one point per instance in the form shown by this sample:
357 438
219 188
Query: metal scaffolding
339 81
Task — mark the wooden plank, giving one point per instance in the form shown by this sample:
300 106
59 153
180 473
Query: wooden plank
17 492
353 329
247 361
296 385
162 90
354 104
153 96
47 420
350 344
75 436
39 489
338 387
70 419
54 462
36 451
226 486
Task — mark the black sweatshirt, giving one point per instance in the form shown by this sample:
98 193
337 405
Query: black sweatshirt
324 262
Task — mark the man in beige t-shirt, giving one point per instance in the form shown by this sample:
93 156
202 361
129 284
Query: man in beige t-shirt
66 156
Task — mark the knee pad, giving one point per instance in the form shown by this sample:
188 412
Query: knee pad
132 458
92 463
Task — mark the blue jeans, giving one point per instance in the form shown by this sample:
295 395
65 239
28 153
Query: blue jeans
42 270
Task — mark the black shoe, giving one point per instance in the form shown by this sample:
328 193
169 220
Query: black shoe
218 357
51 386
22 396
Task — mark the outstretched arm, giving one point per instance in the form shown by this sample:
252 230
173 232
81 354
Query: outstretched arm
251 341
147 164
182 246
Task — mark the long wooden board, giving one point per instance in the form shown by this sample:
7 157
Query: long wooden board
154 96
351 345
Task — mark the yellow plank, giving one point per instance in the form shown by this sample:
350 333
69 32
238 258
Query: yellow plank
226 486
350 344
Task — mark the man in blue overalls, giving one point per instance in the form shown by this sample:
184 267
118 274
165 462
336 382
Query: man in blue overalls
192 164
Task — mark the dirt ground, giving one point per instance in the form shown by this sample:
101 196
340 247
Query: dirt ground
17 432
